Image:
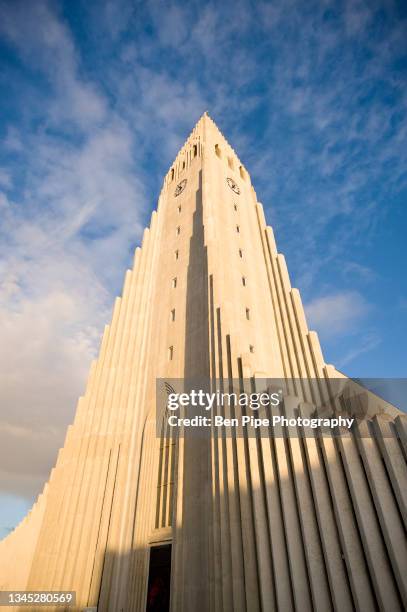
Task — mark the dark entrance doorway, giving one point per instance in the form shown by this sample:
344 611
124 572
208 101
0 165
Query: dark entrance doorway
159 579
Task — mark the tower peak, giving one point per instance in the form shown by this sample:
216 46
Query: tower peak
205 116
204 134
206 119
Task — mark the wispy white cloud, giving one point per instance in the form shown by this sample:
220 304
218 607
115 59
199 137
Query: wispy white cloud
71 224
333 127
359 272
366 344
49 43
336 314
5 178
12 140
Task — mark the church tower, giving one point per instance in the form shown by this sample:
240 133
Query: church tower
135 517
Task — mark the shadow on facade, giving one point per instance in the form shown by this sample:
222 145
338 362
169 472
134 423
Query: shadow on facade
295 540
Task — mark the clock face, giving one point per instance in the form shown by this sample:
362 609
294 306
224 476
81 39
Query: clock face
233 185
180 187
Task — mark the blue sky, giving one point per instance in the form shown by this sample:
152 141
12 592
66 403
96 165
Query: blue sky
97 97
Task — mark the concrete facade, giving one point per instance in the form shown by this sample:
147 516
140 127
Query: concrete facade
256 523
